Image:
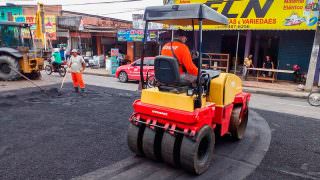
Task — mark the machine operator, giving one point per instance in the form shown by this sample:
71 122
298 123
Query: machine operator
179 50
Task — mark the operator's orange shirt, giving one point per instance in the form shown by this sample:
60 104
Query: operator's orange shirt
183 55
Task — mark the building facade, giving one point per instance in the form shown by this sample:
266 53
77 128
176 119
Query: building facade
27 14
91 33
283 30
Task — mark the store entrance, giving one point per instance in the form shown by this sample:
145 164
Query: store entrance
152 49
268 45
229 46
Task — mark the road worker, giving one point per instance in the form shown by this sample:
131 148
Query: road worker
179 50
77 66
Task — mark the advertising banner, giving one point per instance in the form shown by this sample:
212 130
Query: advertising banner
264 14
136 35
114 52
50 24
139 23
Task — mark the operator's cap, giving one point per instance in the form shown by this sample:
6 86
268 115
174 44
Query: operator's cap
181 32
74 51
56 50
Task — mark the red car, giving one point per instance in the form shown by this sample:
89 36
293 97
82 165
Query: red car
132 71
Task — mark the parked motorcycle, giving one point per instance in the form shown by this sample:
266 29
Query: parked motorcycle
299 76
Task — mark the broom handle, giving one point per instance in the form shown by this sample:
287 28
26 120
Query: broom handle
25 77
64 79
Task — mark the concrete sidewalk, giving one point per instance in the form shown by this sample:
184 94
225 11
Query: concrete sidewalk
278 93
98 72
280 88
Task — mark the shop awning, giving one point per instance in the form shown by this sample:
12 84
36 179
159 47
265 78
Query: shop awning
72 23
184 14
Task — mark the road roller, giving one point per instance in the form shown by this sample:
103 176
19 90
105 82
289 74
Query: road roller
175 122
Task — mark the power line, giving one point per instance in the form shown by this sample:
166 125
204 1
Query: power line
105 2
120 12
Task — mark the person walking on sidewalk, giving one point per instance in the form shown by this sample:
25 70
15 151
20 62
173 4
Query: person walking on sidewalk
77 66
247 63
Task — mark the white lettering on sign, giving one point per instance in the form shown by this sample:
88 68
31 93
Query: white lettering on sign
158 112
169 47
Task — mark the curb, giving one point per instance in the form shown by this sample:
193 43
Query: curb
96 74
271 92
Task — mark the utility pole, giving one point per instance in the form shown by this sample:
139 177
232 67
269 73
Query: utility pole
313 61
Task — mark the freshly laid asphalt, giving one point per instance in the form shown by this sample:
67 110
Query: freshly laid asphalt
68 136
294 152
64 136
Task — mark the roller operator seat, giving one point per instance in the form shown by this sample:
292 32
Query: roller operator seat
167 74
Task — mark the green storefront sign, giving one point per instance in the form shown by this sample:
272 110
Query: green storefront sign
6 11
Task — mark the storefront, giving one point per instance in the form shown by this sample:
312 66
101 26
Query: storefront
93 35
81 41
7 12
27 14
285 48
62 38
259 29
134 39
103 41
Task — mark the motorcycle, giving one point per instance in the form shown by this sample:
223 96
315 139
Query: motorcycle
299 76
61 68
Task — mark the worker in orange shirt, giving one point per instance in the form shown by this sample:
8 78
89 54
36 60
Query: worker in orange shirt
179 50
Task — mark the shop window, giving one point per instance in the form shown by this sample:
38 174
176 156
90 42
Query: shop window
10 17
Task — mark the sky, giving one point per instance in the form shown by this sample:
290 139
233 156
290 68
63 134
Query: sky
121 10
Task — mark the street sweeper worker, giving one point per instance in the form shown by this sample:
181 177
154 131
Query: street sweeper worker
179 50
77 66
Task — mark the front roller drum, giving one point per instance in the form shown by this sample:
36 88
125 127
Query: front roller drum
170 149
238 122
196 155
134 137
151 143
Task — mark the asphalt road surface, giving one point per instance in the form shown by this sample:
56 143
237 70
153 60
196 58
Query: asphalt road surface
70 136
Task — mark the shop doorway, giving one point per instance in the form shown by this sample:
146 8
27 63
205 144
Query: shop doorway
268 45
152 49
94 45
229 46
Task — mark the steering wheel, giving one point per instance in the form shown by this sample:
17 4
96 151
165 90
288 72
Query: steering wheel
205 81
195 54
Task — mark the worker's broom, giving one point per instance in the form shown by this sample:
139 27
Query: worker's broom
62 83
